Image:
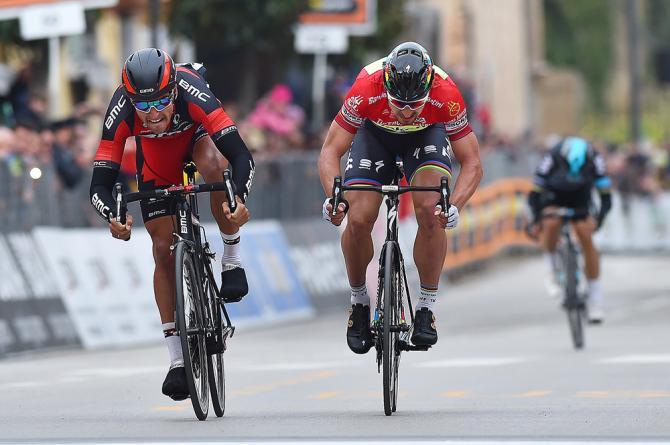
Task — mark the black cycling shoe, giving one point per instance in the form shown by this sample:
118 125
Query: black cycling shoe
175 385
359 337
424 333
233 285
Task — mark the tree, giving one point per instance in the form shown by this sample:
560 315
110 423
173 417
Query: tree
579 35
245 42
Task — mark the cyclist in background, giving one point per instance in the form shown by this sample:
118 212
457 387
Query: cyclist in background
400 106
565 177
174 117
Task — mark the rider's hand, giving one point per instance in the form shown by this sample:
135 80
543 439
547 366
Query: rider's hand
328 212
449 220
241 214
120 231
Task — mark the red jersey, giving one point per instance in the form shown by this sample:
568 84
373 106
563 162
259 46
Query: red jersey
367 100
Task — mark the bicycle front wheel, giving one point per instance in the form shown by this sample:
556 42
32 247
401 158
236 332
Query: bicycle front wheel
391 320
215 366
190 322
573 307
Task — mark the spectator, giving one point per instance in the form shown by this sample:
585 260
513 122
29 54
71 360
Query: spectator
69 169
275 125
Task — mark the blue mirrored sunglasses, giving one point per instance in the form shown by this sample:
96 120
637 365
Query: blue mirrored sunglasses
159 104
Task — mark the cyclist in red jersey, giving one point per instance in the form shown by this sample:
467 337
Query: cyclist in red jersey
174 117
403 107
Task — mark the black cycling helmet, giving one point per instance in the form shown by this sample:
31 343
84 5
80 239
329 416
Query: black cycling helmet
408 72
148 74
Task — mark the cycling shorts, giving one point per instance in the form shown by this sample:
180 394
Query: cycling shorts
160 164
373 154
579 199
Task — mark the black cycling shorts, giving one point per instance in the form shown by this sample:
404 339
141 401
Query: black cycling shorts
578 199
373 154
170 171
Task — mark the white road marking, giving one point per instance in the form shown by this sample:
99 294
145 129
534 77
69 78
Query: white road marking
427 442
472 362
635 359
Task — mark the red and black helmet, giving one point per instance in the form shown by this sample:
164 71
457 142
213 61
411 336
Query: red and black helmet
148 74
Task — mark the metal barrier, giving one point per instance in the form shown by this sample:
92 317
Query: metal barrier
285 188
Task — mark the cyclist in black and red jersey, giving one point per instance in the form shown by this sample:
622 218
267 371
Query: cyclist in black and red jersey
174 117
400 106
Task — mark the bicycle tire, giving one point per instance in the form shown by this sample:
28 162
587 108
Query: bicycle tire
390 357
573 307
190 322
215 363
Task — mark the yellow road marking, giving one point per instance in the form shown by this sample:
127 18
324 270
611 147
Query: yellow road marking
539 393
454 393
325 395
650 394
256 389
168 408
593 394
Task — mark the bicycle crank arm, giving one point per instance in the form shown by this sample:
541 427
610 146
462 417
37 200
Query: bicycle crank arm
400 328
404 346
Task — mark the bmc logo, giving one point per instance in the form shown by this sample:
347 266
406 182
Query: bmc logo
115 112
193 90
183 227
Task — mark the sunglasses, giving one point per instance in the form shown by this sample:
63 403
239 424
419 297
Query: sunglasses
145 106
401 104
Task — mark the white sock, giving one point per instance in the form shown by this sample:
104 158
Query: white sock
173 343
595 291
427 297
359 295
550 260
231 249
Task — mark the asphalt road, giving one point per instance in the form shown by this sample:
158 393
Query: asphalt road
503 370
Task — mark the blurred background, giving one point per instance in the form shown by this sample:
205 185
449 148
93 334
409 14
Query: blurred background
528 71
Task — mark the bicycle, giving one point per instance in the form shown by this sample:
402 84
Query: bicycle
390 330
568 274
199 305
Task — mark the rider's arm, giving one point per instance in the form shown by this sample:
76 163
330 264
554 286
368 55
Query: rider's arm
535 201
206 109
338 140
233 148
604 185
107 162
466 150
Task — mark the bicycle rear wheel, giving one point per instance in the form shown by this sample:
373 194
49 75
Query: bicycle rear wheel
391 320
215 364
573 307
190 322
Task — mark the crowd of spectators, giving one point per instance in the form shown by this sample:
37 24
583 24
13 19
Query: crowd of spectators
274 126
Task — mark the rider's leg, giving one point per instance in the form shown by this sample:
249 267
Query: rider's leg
430 249
211 164
369 163
160 230
551 232
584 232
357 244
430 245
358 250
